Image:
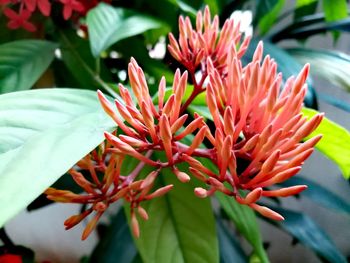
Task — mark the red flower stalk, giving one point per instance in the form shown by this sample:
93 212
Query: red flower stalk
101 192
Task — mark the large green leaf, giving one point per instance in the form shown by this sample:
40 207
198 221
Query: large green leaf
335 143
319 194
22 63
181 227
107 25
42 134
305 230
335 9
117 244
328 64
246 223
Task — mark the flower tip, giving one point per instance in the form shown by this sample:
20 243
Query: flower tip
143 213
183 177
200 192
108 135
135 225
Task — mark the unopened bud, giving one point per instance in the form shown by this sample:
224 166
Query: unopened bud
200 192
142 212
183 177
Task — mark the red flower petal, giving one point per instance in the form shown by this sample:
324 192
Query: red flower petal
45 7
30 4
10 13
28 26
67 12
13 24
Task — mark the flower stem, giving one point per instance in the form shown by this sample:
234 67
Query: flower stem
94 75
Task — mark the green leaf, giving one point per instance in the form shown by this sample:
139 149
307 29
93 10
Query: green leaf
335 143
335 9
319 194
306 29
23 62
229 247
108 25
43 133
117 244
245 221
304 8
267 12
333 66
304 229
181 227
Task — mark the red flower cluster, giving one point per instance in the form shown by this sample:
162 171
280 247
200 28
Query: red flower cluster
255 122
25 9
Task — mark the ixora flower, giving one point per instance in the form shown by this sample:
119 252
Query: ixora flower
19 20
26 8
254 142
260 125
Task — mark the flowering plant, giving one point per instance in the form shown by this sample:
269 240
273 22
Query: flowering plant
226 126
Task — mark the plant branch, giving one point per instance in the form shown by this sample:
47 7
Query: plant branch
94 75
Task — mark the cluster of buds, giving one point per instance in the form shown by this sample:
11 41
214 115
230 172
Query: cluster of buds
99 175
20 11
255 140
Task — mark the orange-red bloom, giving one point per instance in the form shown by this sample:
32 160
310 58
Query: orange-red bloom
204 41
258 124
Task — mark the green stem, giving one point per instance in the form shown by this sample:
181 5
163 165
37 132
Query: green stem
94 75
98 66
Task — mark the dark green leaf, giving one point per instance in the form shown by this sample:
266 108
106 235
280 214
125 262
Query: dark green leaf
310 234
310 29
108 25
304 7
77 57
23 62
230 249
333 66
181 227
117 244
43 134
319 194
335 143
267 12
246 223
